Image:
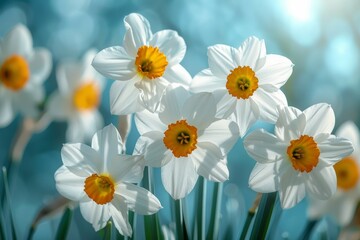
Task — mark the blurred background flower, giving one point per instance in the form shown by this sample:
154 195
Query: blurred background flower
322 39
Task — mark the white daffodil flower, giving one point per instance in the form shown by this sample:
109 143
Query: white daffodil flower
144 66
343 204
23 70
78 98
186 140
246 82
299 158
99 178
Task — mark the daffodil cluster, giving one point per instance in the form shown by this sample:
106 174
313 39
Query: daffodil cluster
187 125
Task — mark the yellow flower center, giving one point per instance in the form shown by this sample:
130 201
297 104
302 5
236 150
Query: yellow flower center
303 153
100 188
150 62
242 82
180 138
14 72
86 97
347 173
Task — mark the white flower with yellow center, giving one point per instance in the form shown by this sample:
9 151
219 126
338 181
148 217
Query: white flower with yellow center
343 204
22 73
100 179
78 98
144 66
246 81
299 158
186 140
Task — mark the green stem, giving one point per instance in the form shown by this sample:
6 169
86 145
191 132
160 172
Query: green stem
179 219
248 220
263 216
31 232
308 229
7 193
107 231
213 231
2 231
201 206
151 222
8 166
64 225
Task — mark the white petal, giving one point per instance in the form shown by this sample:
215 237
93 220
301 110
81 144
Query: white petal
68 76
115 63
292 189
320 118
146 121
267 102
26 101
246 114
83 125
124 98
82 158
206 81
119 214
209 162
334 149
96 214
344 210
275 72
171 44
126 168
252 50
264 147
340 207
143 142
18 41
350 131
290 124
138 199
107 142
40 65
151 92
223 133
321 182
6 110
178 74
199 110
58 106
222 59
179 177
69 184
264 177
137 34
173 102
157 155
226 104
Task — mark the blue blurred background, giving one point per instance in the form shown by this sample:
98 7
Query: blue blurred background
321 37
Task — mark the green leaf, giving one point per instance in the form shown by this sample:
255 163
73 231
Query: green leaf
263 216
151 222
7 196
64 225
179 220
200 215
2 231
248 221
213 231
308 229
107 231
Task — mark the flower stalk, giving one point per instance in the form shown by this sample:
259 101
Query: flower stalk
263 216
213 232
250 216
